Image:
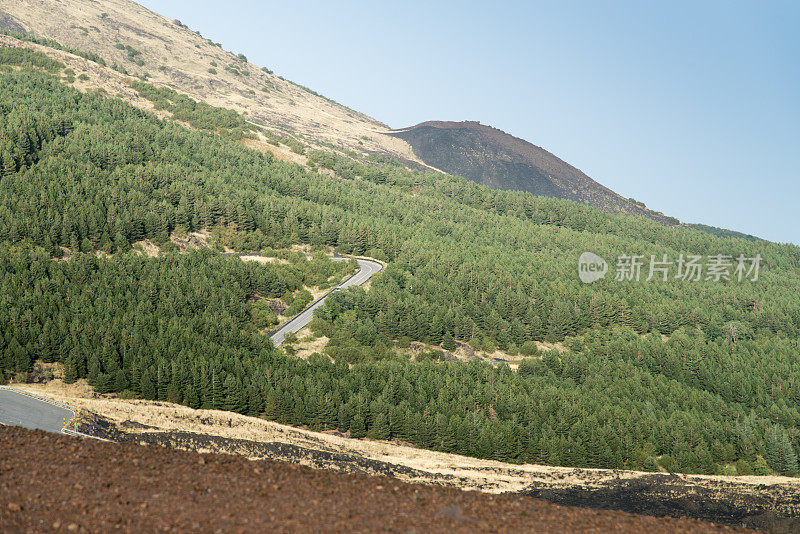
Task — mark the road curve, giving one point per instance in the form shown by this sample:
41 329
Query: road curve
366 269
33 412
19 409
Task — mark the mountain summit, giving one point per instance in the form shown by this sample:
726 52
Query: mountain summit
499 160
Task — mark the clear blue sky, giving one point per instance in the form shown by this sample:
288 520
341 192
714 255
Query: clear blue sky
690 107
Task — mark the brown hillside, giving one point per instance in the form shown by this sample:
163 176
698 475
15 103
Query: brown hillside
52 483
175 56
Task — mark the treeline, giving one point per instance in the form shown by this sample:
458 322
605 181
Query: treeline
50 43
24 57
493 268
199 114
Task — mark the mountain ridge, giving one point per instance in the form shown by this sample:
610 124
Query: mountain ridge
139 43
492 157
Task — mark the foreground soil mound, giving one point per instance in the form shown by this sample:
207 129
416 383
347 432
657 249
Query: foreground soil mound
52 483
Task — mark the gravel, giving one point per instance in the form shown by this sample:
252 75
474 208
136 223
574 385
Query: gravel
54 483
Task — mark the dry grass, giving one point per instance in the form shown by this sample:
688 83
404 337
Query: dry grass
147 248
281 152
180 58
467 473
464 352
308 343
263 259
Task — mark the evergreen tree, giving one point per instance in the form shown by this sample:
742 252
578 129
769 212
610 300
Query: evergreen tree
358 426
448 342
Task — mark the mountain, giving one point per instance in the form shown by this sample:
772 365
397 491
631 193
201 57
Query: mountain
105 160
134 42
499 160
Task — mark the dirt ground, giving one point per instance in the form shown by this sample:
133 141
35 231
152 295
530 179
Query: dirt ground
769 503
53 483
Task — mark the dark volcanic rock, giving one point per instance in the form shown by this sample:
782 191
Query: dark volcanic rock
668 495
496 159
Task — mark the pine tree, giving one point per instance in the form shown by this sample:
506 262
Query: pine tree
191 399
147 387
217 390
24 145
254 401
358 426
380 428
448 343
162 380
120 381
70 371
20 356
9 165
231 401
345 417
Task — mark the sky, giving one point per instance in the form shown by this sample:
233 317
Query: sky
690 107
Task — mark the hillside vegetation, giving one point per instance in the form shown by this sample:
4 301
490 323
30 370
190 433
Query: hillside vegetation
678 375
136 42
131 42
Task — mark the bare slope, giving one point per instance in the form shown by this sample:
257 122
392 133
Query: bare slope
139 41
494 158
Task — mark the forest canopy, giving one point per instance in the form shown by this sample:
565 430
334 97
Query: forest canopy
652 376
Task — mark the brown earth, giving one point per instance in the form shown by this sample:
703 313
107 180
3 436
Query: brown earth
53 483
767 503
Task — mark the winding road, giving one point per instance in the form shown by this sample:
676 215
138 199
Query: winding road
366 269
18 408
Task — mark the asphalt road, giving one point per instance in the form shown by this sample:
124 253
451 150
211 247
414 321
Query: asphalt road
17 409
366 270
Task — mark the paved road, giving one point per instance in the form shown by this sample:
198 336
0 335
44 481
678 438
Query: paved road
22 410
366 270
18 409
